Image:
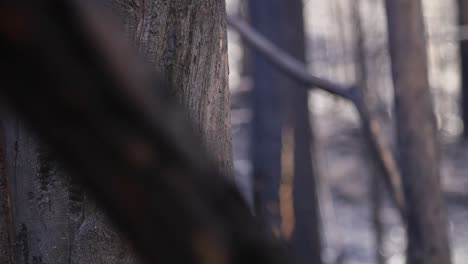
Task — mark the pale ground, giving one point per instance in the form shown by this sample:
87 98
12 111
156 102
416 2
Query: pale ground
341 154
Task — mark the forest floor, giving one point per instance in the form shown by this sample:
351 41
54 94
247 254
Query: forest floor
344 173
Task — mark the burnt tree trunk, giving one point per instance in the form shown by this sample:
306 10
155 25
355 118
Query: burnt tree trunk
267 104
6 245
417 135
46 207
52 222
281 113
305 242
463 49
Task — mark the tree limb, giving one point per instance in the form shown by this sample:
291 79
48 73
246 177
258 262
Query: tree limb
297 71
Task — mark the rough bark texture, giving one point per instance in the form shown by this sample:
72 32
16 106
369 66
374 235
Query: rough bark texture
6 245
463 22
46 206
184 39
417 135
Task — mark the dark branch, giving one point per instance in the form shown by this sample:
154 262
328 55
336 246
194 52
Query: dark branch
297 70
288 64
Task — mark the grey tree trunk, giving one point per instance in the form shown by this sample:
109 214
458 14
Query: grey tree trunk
463 48
52 220
362 77
417 135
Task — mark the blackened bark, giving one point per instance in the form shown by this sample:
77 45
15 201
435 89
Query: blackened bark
45 211
417 135
280 103
305 243
6 229
267 104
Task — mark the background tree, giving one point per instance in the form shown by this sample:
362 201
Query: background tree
417 135
281 115
463 22
362 77
267 105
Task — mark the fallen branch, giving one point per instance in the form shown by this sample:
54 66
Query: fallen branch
297 71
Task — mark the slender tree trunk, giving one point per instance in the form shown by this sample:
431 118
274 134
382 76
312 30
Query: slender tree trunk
417 135
305 244
52 223
362 77
463 22
267 104
281 103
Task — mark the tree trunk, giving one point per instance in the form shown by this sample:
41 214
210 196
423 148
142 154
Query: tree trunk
463 49
52 223
267 104
6 245
305 243
281 107
46 207
187 41
362 77
417 135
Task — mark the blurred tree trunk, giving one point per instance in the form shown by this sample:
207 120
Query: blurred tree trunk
281 111
267 104
463 22
305 243
417 135
362 77
52 221
246 65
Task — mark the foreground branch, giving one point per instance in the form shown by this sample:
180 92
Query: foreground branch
69 77
297 71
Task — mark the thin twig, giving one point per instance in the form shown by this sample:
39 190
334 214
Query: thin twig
298 71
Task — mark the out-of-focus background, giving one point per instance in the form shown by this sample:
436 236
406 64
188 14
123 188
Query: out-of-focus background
350 211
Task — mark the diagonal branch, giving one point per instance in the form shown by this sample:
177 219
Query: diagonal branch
297 71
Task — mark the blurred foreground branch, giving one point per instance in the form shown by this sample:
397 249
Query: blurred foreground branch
298 71
65 71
